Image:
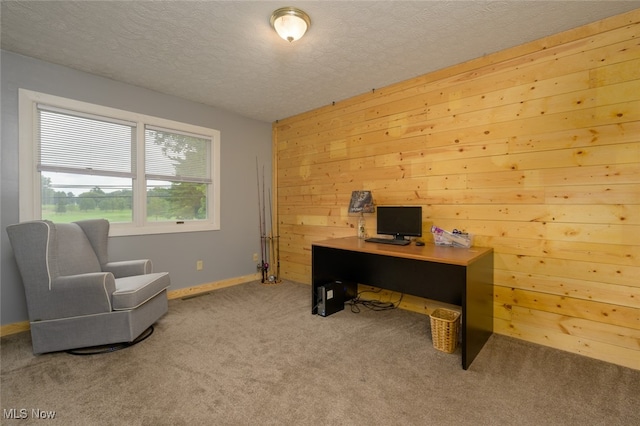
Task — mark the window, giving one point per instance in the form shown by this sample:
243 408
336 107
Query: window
177 172
145 174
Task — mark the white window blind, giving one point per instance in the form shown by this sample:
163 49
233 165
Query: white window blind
79 143
177 156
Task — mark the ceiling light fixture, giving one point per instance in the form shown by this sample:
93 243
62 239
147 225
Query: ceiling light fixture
290 23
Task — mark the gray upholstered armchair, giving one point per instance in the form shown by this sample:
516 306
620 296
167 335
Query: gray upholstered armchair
76 298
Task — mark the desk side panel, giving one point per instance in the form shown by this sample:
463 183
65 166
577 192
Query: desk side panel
477 321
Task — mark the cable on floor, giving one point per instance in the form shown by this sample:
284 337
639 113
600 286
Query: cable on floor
374 305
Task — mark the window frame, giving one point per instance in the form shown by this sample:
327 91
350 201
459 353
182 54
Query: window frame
29 203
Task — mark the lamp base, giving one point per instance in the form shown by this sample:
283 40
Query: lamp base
362 232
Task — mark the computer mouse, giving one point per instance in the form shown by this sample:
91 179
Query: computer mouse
419 243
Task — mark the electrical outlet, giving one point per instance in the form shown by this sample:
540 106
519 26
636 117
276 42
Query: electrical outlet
199 265
255 257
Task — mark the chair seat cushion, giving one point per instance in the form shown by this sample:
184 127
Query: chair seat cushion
132 292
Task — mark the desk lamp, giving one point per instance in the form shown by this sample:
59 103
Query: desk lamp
361 202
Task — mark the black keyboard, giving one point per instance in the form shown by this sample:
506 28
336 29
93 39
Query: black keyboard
391 241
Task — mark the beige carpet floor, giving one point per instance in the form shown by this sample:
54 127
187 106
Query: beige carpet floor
254 355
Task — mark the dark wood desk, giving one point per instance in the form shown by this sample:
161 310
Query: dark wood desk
458 276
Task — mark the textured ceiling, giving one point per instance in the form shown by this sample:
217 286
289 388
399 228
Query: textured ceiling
225 54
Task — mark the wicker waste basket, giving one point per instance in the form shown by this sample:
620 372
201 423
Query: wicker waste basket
445 326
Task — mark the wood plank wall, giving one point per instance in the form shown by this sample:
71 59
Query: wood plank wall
535 150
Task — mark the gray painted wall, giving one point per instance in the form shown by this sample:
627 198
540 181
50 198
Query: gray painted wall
226 253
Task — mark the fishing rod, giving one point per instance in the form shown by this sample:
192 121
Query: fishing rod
265 242
273 277
277 246
260 222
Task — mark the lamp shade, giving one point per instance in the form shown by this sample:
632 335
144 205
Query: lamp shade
361 202
290 23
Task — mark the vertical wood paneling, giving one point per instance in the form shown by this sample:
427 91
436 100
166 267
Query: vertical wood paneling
535 150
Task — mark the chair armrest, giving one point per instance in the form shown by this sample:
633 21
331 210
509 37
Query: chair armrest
128 268
78 295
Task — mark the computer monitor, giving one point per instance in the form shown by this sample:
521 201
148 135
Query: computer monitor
399 221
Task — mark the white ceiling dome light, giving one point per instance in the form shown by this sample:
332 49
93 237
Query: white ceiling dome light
290 23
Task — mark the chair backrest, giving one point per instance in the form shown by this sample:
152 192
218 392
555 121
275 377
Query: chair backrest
97 231
75 254
44 251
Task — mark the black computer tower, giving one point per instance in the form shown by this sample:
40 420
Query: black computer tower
330 298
